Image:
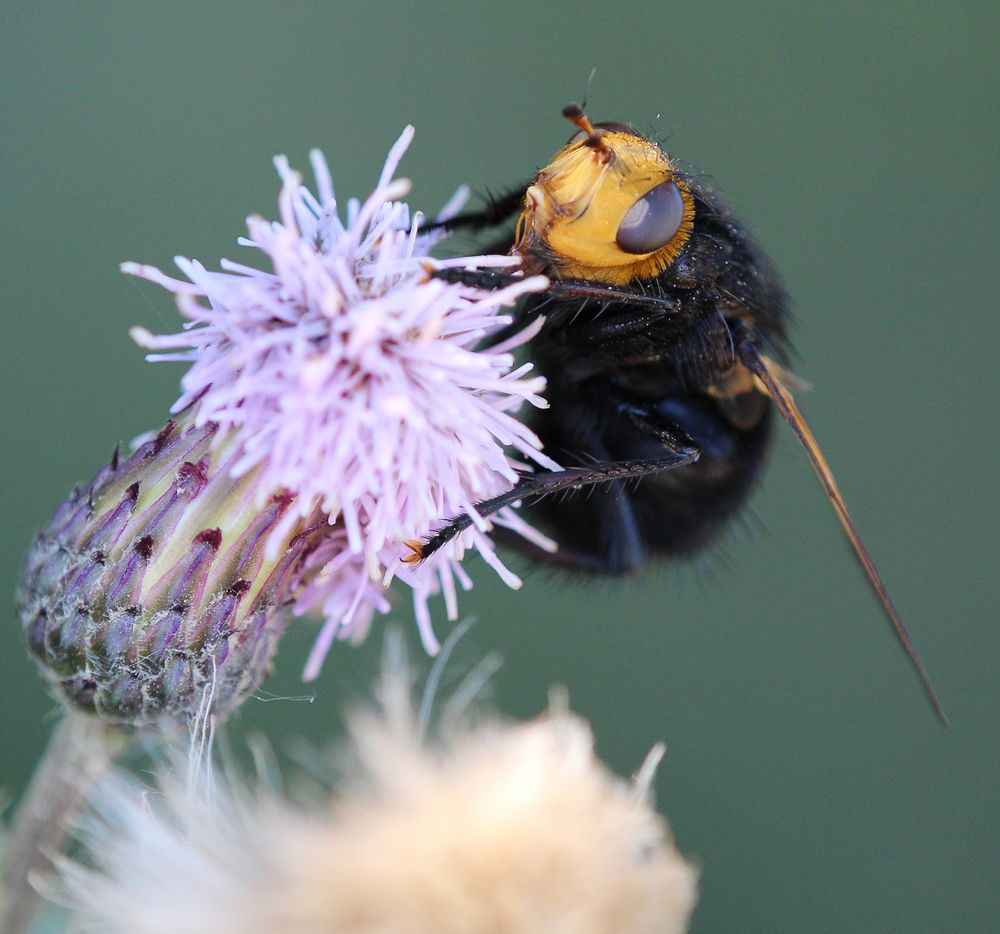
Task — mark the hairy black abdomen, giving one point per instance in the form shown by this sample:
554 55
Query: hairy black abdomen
673 512
683 510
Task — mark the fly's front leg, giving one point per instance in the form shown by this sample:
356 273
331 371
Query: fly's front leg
498 208
535 487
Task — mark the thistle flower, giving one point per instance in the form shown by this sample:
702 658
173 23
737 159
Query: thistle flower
336 404
504 828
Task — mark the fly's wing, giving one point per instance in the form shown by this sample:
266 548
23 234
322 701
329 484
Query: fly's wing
771 380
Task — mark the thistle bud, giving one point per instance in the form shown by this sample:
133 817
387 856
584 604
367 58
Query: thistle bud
156 584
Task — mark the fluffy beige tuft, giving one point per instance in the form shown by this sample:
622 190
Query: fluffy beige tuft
504 829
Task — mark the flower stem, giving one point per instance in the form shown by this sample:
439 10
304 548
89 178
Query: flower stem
79 752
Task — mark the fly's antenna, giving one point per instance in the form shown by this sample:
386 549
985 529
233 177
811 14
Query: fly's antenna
575 114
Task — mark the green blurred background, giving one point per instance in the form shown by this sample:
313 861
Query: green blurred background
805 772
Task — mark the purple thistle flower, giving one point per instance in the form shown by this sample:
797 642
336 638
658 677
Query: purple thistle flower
344 383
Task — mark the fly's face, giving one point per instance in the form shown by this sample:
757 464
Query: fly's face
610 207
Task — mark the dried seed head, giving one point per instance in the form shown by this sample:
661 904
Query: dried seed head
495 827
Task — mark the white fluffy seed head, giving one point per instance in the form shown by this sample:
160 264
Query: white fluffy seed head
503 828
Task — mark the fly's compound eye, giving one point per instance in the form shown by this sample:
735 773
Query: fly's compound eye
653 221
